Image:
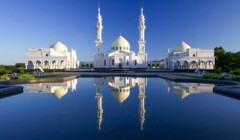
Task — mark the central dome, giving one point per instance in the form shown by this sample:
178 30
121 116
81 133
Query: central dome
59 47
182 47
120 44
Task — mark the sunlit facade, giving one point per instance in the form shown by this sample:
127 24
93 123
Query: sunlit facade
183 57
55 57
120 56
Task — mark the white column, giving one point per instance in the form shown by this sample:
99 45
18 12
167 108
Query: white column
141 27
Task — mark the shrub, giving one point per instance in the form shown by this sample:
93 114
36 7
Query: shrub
218 70
26 76
4 71
235 72
4 78
21 71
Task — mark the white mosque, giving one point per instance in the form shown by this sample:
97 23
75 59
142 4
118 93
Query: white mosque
55 57
120 87
183 57
120 56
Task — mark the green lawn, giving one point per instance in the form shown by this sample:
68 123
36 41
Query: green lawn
26 76
189 75
209 76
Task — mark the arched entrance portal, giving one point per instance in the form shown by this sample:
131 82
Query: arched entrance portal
39 64
120 63
30 65
46 65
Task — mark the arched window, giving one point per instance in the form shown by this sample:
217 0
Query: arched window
116 48
127 62
46 54
135 62
46 63
193 55
113 48
38 63
105 62
113 62
62 62
120 48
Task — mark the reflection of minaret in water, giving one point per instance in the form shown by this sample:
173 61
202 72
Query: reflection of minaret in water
99 109
167 82
141 110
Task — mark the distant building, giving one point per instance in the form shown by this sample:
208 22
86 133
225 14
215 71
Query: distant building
183 57
120 56
156 64
55 57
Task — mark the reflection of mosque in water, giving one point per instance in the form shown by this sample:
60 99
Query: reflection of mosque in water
120 87
185 89
56 89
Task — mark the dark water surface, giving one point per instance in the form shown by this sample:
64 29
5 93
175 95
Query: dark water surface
119 108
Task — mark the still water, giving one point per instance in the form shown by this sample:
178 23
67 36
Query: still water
119 108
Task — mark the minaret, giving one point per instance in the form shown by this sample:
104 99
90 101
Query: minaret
141 27
99 108
141 110
99 28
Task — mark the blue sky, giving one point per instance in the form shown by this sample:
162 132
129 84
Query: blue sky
202 24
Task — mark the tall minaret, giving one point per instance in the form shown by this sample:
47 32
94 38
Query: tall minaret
99 28
141 27
141 97
99 108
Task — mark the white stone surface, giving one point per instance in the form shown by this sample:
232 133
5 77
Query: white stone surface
120 56
183 57
55 57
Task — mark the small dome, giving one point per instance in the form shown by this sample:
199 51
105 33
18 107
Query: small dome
59 47
121 96
182 47
120 44
59 93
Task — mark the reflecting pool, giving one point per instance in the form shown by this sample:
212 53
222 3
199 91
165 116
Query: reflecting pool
119 108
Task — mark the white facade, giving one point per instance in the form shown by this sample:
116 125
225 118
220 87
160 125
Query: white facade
55 57
183 57
120 56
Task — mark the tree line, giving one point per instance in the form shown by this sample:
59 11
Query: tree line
227 61
7 69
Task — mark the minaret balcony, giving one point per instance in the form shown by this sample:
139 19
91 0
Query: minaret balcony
98 41
141 42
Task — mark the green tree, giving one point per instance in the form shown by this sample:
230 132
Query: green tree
226 61
219 53
20 65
